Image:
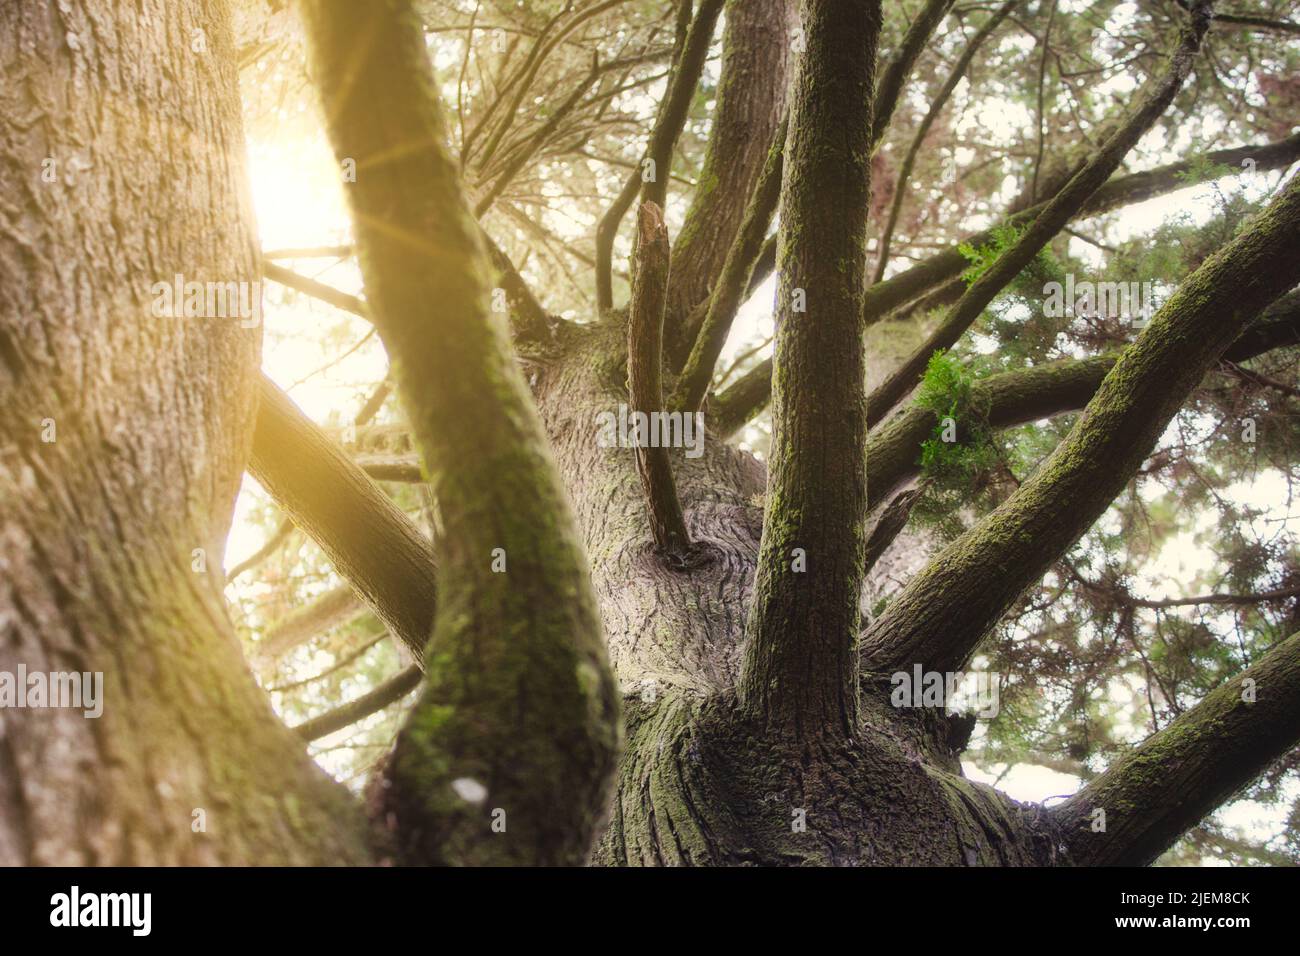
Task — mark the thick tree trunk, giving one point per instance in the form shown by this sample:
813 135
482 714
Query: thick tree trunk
122 434
111 533
699 784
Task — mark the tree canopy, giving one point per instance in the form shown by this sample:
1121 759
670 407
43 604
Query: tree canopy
989 312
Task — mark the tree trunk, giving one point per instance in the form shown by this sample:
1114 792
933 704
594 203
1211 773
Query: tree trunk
124 432
111 533
698 783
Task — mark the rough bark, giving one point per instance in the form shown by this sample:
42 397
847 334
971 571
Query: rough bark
153 415
518 712
701 783
800 669
645 328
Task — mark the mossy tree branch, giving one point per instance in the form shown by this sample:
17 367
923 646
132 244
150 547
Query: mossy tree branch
1152 795
949 606
749 395
1060 209
1029 394
798 670
519 710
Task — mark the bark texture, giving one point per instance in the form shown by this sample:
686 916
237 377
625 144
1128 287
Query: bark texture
751 737
151 418
645 335
509 752
701 782
799 661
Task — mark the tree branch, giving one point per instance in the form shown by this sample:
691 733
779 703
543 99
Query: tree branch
663 138
750 103
936 107
946 609
315 289
889 523
1060 209
309 252
899 66
645 391
798 669
1155 793
728 293
336 606
735 405
536 141
541 50
522 700
281 533
1026 395
367 538
1258 597
529 320
1240 22
400 468
731 409
898 290
345 715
